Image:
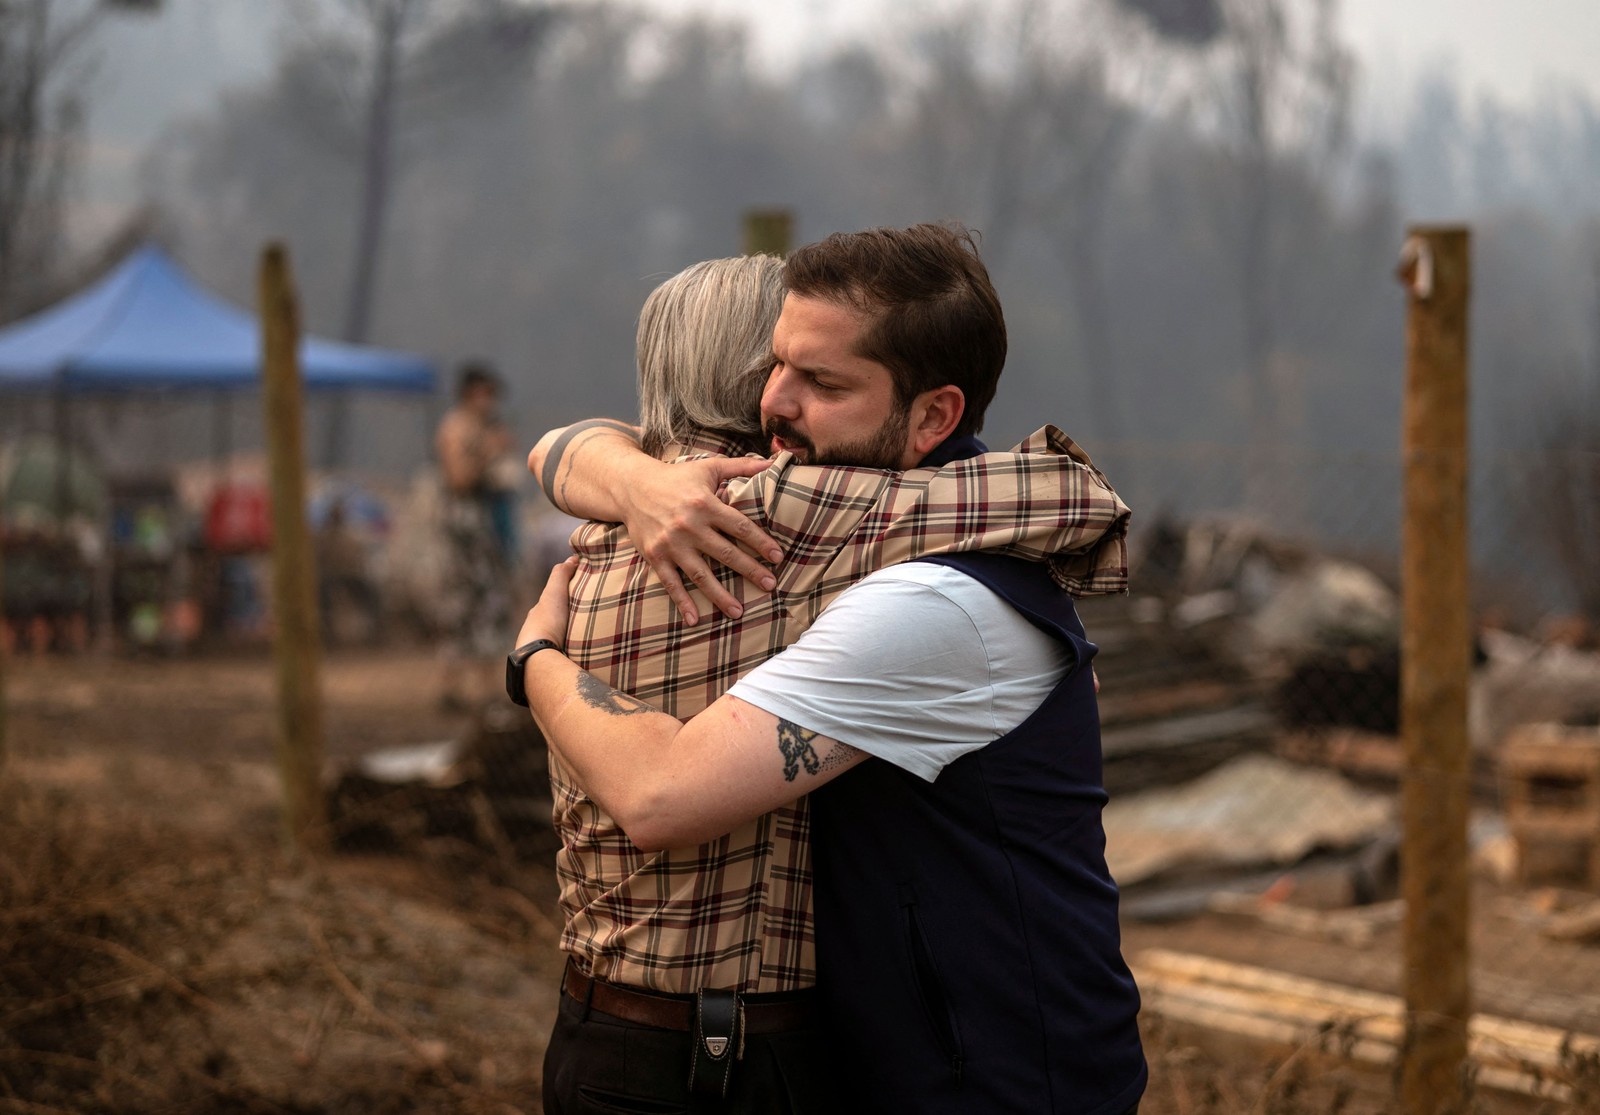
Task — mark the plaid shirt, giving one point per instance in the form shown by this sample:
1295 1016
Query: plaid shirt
736 912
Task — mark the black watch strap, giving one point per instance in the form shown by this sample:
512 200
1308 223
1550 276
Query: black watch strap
516 686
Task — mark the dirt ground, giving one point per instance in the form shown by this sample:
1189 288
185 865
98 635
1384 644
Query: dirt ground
160 953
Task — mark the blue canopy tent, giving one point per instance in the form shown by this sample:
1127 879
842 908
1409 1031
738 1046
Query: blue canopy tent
147 326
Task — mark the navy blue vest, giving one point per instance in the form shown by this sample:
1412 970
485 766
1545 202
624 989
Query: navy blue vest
967 937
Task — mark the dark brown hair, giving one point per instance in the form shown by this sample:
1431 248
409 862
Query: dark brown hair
476 373
932 316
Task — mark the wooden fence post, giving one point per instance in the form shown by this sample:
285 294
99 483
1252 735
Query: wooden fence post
1435 653
297 649
5 652
767 232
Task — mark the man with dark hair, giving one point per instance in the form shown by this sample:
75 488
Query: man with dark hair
940 713
930 314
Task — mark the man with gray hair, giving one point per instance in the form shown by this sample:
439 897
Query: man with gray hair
670 948
704 350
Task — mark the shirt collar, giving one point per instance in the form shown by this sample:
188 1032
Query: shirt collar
707 441
953 449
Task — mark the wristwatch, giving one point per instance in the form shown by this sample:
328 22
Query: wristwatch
516 687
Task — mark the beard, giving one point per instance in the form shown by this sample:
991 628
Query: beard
883 449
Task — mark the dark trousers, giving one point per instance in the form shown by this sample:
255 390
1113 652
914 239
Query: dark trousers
600 1065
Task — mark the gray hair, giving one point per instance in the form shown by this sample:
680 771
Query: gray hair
705 348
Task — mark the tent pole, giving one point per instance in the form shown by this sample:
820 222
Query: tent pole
63 437
221 433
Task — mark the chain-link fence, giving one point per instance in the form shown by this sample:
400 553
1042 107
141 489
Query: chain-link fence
1250 705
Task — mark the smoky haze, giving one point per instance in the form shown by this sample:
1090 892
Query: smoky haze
1192 242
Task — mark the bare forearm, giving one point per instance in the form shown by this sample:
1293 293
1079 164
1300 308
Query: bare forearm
670 784
667 783
637 762
583 468
605 737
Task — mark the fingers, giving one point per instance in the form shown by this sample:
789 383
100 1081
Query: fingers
698 573
736 525
673 569
730 527
721 599
711 542
684 538
667 573
721 549
560 578
727 468
547 619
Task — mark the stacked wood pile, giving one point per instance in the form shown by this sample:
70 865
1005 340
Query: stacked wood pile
1232 639
1173 704
1551 781
1301 1013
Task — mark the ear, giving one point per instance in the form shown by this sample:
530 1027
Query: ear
934 416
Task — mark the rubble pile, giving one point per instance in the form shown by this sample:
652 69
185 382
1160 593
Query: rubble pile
1171 706
1230 638
1223 678
487 791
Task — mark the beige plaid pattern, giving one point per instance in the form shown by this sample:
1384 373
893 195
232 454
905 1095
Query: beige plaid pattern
736 913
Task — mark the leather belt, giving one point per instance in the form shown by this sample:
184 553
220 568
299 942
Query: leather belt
763 1014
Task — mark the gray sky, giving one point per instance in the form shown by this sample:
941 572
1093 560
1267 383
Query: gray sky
1513 47
165 69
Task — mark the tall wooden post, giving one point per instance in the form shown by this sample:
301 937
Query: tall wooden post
5 651
768 232
296 645
1436 653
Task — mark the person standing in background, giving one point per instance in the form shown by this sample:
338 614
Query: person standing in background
475 606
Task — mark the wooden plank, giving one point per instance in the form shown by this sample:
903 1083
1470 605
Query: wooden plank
1189 695
1251 721
1357 927
1550 823
1350 750
1575 925
1313 999
1294 1010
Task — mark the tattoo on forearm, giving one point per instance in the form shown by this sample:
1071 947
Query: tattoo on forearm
841 754
597 694
795 744
552 459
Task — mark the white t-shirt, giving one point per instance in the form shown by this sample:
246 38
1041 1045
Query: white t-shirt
917 664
